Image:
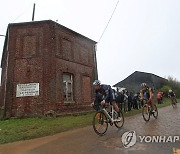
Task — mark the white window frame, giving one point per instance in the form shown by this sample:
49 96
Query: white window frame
66 93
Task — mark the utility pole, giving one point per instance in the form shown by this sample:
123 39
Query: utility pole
33 12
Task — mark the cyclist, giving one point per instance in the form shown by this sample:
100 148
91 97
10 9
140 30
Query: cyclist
172 96
104 94
147 93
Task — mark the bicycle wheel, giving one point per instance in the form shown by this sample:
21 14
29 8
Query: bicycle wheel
100 123
120 119
146 112
155 114
174 104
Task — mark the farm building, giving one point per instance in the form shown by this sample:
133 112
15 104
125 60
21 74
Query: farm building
133 81
46 67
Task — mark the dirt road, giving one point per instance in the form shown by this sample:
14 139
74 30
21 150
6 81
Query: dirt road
84 140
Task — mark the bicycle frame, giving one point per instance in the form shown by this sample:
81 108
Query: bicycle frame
104 116
111 118
146 102
147 111
173 102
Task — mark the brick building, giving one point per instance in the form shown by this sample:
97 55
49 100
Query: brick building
46 66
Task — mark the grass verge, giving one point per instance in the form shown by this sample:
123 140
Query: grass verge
22 129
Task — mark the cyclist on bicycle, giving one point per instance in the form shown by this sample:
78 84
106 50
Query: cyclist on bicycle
172 96
104 94
147 94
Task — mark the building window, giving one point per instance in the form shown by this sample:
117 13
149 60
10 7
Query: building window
68 87
29 46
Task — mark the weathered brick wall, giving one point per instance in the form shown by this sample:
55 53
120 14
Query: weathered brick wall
74 54
26 46
41 52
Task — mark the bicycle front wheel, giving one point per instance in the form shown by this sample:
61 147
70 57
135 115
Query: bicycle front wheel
100 123
120 119
174 104
146 112
155 114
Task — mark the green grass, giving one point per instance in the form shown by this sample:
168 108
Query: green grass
22 129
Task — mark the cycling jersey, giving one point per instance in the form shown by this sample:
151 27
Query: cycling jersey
145 93
107 92
171 94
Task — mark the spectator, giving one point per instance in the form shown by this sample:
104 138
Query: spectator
120 99
162 94
135 101
159 97
130 101
125 101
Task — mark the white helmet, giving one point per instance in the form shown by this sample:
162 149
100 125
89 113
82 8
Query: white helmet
96 82
170 90
143 84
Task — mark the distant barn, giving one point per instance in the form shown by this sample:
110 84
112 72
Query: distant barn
133 82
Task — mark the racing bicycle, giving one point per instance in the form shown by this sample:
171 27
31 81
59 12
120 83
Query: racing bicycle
103 118
147 110
174 102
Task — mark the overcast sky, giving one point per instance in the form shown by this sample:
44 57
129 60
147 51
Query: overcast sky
143 35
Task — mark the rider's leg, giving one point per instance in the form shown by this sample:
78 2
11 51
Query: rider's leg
175 100
152 105
116 108
172 100
112 100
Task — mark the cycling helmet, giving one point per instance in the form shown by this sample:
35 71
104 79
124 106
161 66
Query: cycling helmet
96 82
143 85
170 90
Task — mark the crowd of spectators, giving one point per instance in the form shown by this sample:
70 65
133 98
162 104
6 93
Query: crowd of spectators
128 101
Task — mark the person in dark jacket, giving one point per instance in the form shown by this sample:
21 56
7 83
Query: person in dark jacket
136 101
104 94
130 101
120 99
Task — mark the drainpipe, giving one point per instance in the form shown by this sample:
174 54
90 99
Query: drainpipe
95 62
5 84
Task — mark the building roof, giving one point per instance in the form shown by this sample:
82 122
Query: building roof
48 22
134 80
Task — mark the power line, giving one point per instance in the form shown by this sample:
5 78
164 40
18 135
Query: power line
108 21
